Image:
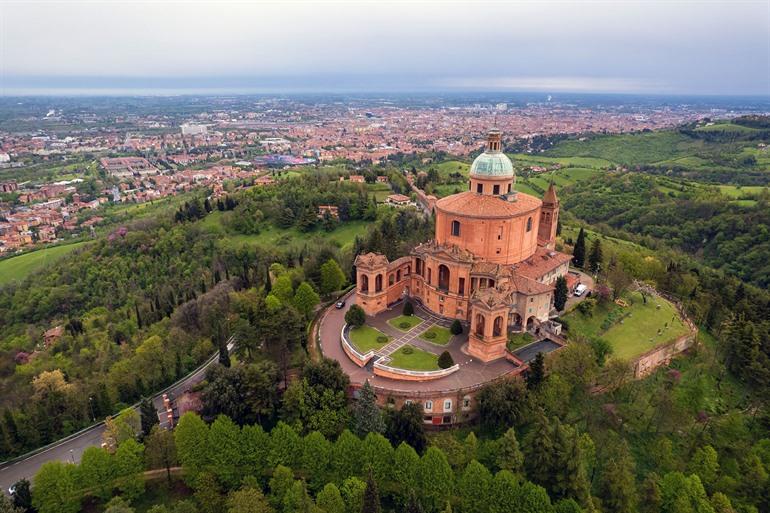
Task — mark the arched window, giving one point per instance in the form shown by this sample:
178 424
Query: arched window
418 264
430 276
509 188
364 287
456 228
398 275
529 224
479 188
479 325
391 280
496 189
378 283
443 277
497 327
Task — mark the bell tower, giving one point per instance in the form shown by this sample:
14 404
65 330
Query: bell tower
549 219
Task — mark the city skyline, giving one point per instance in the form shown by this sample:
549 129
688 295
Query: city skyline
676 48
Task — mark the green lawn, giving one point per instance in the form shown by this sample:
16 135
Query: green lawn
19 267
364 338
635 329
734 191
437 335
381 191
410 320
417 360
726 127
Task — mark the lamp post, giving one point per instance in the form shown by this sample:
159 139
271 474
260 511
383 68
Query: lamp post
72 455
91 405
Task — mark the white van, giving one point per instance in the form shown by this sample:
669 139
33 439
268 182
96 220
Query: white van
580 290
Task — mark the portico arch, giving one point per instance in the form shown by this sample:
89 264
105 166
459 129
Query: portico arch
364 283
497 326
479 325
443 277
378 283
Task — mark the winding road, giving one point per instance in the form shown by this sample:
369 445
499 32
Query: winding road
71 448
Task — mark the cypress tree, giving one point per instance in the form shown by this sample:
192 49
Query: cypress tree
595 258
539 450
149 415
560 294
579 251
536 374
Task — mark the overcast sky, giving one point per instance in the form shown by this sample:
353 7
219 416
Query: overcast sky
678 47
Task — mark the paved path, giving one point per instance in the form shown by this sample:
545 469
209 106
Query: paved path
72 449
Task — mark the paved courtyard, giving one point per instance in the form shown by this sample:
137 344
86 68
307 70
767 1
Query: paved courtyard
472 371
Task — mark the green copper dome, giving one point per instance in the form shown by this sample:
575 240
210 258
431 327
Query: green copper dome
493 164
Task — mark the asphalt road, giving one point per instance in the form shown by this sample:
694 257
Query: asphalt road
71 450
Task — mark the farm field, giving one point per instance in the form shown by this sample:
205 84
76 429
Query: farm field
633 330
19 267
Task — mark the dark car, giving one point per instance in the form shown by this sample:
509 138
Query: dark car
339 304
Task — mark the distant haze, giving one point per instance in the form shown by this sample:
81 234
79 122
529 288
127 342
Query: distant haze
653 47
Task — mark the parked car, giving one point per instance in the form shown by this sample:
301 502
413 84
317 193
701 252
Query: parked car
580 290
12 490
339 304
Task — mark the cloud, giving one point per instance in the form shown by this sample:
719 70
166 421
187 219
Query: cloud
564 84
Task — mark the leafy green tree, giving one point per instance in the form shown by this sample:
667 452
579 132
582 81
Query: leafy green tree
306 299
570 478
474 487
371 495
285 446
332 277
617 485
346 455
406 465
705 463
532 498
149 415
160 450
502 404
509 456
192 442
248 500
352 491
297 499
118 505
683 494
282 288
280 483
208 494
316 459
567 506
329 500
504 492
456 328
355 316
436 479
255 446
367 417
721 503
55 489
560 294
579 251
129 467
413 504
97 472
595 257
225 452
377 455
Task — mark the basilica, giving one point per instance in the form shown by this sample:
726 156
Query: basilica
492 263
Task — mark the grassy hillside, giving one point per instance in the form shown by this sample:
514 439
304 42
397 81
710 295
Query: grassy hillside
19 267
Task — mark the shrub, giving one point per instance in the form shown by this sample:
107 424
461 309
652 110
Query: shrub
445 360
403 324
586 307
355 316
456 328
408 308
382 339
430 335
407 350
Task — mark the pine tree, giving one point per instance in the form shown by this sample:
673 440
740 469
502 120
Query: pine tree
570 479
579 251
473 487
509 455
539 450
367 417
595 257
371 495
617 486
224 353
560 294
